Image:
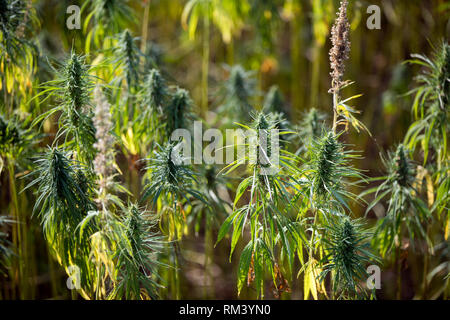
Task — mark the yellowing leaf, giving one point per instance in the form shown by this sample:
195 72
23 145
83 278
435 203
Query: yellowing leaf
9 81
447 228
310 280
430 190
128 141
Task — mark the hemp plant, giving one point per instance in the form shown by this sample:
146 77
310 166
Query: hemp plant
236 94
18 53
178 112
329 173
62 203
153 98
275 106
7 253
107 18
324 182
104 241
311 127
122 71
127 61
169 186
339 54
430 132
123 246
125 78
212 184
16 143
271 232
137 262
226 15
154 55
406 210
72 88
274 101
5 246
347 251
431 105
209 215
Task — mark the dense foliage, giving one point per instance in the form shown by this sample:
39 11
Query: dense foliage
95 188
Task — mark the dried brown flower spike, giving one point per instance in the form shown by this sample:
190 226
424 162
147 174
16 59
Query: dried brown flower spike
104 160
339 53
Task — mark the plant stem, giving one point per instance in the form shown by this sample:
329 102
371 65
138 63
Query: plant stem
335 115
311 241
398 263
315 83
145 26
176 276
19 238
425 267
53 274
30 247
399 276
205 61
297 90
209 254
176 273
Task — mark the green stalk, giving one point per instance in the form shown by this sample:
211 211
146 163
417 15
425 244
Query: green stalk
74 294
205 61
399 276
133 176
176 287
19 237
399 265
425 267
145 27
209 256
176 280
30 249
53 274
296 88
315 83
311 241
335 115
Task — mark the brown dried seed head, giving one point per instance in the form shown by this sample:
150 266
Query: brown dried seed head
105 141
339 53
